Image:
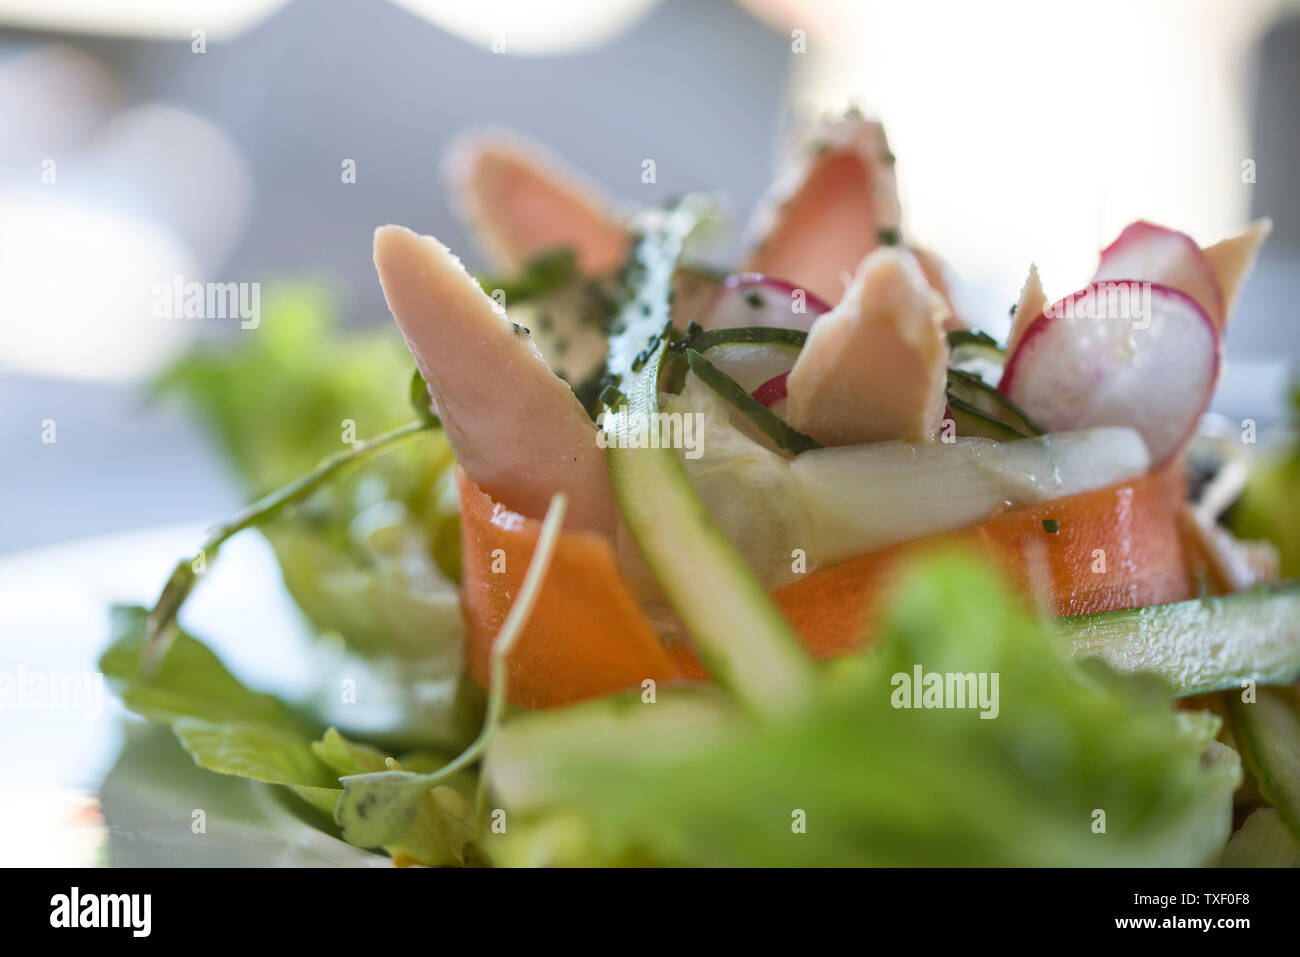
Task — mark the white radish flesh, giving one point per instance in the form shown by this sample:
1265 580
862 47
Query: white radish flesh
750 299
1122 354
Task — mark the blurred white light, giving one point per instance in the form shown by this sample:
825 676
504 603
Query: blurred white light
159 163
219 19
52 99
529 27
1030 131
78 288
98 209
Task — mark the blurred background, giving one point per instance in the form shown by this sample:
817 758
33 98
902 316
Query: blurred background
212 139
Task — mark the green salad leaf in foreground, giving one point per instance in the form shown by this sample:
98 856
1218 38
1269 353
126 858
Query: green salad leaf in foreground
1080 766
228 729
1076 764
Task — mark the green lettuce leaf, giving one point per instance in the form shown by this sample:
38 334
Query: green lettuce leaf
254 751
229 729
191 681
373 556
276 399
1266 509
855 780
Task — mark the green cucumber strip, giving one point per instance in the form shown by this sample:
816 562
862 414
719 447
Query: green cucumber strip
704 341
1198 646
977 393
742 639
976 353
969 337
772 425
1267 731
971 422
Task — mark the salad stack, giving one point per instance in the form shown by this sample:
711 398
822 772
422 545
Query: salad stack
783 564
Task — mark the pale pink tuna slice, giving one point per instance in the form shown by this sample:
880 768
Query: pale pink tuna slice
1030 307
751 299
521 202
1157 254
517 430
823 216
1112 355
874 368
1231 260
940 277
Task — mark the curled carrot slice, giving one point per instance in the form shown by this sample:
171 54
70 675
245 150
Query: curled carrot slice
586 636
1123 546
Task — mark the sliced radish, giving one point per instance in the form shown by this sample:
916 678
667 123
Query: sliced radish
1118 353
1154 253
752 299
773 390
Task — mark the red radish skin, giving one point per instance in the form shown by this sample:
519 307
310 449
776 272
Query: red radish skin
731 309
1071 370
773 390
1151 253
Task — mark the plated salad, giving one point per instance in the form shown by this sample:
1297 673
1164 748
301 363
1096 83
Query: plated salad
780 564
